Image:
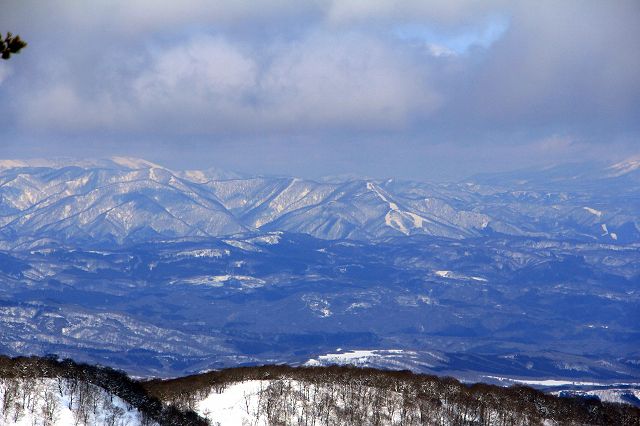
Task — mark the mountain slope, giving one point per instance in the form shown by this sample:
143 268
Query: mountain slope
111 205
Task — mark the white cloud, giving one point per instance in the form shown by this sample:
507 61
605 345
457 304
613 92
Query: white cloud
562 61
348 80
202 70
209 85
62 108
438 50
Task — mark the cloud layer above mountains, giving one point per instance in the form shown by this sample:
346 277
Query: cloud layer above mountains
409 89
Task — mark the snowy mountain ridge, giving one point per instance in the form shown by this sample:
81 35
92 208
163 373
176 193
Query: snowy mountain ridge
122 200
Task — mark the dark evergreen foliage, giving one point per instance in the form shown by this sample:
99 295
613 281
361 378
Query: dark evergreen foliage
11 44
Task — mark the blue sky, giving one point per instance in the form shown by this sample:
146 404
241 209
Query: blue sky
457 40
409 89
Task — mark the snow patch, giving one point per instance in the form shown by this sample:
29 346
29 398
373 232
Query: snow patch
393 220
268 239
196 176
547 382
359 305
358 357
200 253
235 406
318 306
454 275
593 211
243 245
221 280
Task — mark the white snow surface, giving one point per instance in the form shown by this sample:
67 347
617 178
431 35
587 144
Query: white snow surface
612 235
268 239
593 211
220 280
455 275
546 382
245 403
213 253
359 357
235 406
555 382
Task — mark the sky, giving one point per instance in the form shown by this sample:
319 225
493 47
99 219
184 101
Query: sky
414 89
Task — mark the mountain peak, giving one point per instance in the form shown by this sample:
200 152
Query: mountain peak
134 163
59 162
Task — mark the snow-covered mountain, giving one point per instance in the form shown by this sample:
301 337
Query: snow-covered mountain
127 200
617 178
126 263
108 204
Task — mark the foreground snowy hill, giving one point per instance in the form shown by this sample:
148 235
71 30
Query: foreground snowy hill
61 402
291 401
45 391
351 396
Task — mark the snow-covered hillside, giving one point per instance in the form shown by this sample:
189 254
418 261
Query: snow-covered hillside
50 392
297 402
46 391
63 402
271 395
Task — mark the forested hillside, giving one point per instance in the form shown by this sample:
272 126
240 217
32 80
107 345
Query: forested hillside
48 391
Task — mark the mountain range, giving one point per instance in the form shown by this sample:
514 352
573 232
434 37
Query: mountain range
125 200
530 275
